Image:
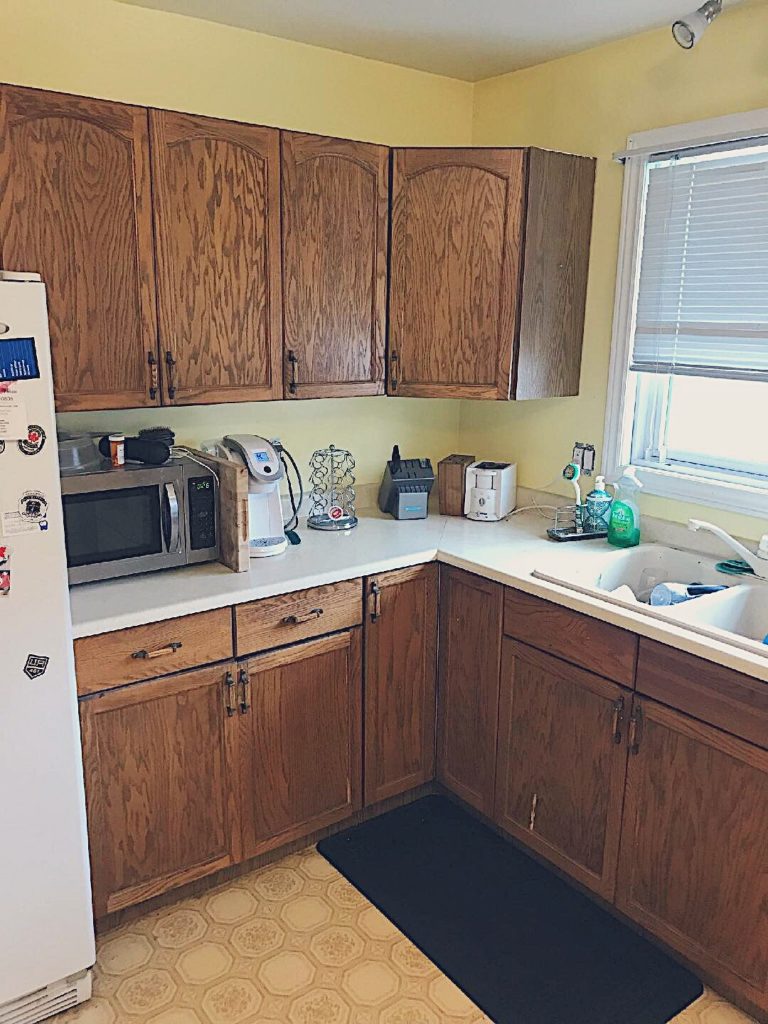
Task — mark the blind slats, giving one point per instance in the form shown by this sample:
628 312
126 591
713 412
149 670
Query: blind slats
702 304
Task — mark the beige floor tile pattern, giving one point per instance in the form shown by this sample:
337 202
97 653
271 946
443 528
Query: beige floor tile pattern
291 943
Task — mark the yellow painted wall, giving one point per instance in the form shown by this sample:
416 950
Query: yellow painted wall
589 103
116 51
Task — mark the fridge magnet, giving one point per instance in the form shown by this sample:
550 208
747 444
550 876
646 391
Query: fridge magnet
30 512
33 443
35 665
5 571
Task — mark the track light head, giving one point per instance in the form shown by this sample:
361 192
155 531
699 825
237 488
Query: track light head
687 31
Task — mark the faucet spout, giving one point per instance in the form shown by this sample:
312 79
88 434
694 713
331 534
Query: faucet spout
758 564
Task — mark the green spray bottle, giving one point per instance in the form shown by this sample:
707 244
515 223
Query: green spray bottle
624 521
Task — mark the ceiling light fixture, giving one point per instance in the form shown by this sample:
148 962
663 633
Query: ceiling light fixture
687 31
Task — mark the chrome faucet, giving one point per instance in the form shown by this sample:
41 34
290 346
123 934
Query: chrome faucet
757 562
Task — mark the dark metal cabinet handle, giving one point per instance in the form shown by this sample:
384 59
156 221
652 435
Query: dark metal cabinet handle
376 595
245 683
170 364
229 685
170 648
393 360
618 718
635 729
297 620
293 359
154 373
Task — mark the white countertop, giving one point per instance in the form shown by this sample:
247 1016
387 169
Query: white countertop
507 552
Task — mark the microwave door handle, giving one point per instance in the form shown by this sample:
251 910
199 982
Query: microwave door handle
172 505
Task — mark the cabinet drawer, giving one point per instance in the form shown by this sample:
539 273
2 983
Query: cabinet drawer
712 693
143 652
276 621
597 646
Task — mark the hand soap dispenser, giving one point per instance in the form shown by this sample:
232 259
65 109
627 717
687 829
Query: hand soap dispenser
624 520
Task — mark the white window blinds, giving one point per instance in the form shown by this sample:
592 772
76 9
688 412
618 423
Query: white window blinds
702 305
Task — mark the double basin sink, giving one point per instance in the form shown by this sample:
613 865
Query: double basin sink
737 616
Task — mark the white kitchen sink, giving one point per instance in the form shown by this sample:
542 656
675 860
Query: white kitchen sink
740 613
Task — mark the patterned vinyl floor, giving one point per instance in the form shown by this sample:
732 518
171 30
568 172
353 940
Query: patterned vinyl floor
291 943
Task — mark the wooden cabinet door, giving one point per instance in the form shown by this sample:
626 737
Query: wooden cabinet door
470 649
694 849
159 761
335 197
561 763
400 678
75 208
457 219
300 727
217 225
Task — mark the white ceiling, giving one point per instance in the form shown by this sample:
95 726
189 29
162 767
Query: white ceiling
470 39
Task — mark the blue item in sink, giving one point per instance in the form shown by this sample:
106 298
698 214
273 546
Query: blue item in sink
664 594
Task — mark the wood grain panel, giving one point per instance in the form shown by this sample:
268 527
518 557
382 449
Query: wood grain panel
712 693
107 660
300 740
400 681
75 208
468 689
217 225
456 264
694 869
590 643
158 757
561 763
288 618
558 228
335 196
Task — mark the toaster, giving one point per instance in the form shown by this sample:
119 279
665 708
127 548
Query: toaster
491 490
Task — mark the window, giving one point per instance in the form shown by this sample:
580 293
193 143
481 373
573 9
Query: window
688 402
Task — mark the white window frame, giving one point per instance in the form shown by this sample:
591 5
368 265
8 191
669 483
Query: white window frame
700 487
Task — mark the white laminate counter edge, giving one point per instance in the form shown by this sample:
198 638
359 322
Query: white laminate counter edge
506 552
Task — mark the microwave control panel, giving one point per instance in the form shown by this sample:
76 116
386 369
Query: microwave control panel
201 502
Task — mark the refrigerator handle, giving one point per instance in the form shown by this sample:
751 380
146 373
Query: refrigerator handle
171 531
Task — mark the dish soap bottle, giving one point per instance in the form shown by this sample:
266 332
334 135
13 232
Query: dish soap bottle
624 521
598 507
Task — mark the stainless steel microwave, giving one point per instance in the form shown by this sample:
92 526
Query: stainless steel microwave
118 522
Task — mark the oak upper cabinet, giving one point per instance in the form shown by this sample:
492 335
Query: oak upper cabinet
300 725
400 679
75 207
490 249
694 867
158 762
470 649
335 197
217 225
561 763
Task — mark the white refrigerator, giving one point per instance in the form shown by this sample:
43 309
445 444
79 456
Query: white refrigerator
46 926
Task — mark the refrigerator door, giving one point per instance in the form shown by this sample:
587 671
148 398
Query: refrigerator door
46 928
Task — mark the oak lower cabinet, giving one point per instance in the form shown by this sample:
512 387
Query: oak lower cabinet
561 763
470 649
216 187
489 258
400 681
299 762
694 851
335 207
158 760
75 207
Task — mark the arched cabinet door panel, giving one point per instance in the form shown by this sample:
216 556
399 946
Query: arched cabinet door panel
75 207
217 225
335 207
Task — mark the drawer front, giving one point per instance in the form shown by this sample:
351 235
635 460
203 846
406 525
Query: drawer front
144 652
594 645
277 621
712 693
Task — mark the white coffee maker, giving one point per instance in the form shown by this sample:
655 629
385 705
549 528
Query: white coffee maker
266 534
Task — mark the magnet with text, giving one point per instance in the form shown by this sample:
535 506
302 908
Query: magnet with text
5 571
33 506
35 665
33 443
